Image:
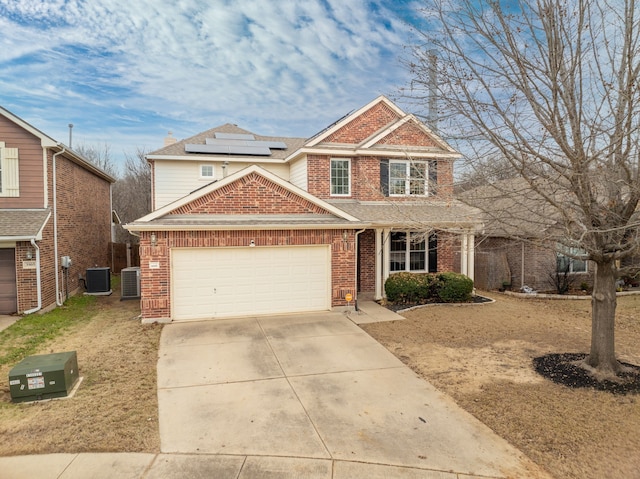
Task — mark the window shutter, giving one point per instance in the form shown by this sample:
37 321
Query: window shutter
433 178
10 176
384 177
433 253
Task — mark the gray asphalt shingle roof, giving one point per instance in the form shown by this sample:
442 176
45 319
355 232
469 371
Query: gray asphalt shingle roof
410 214
22 223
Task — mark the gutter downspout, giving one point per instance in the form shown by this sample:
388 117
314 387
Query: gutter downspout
38 286
355 239
59 302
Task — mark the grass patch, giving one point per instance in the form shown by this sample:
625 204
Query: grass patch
33 332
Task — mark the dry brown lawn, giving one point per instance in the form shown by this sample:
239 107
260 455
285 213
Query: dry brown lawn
115 407
481 355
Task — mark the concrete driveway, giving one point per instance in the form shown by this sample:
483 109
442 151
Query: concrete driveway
311 396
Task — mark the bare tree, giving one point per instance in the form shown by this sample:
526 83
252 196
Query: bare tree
99 156
132 192
553 88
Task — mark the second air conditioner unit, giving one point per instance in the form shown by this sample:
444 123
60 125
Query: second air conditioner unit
130 282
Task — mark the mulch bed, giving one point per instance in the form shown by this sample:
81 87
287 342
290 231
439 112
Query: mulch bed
395 307
561 369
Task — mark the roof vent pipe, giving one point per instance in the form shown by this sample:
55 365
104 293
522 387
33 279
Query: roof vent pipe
70 135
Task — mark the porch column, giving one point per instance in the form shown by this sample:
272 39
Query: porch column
386 245
471 262
464 250
378 267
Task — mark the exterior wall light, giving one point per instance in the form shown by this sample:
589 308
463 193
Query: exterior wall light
345 236
29 254
154 239
252 244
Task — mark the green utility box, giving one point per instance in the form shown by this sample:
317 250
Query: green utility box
43 376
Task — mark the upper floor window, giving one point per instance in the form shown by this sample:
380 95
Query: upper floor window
206 171
408 178
340 177
9 178
568 264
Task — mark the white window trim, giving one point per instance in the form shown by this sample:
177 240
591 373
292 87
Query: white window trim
348 160
207 177
407 252
407 181
571 260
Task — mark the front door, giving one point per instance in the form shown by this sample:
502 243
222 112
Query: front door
8 286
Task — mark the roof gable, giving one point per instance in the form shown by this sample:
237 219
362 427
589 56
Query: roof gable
251 194
361 124
408 132
250 191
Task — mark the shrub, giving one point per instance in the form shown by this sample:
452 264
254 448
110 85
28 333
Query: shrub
408 287
453 287
421 288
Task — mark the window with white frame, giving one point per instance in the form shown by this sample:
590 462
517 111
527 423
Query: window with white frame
408 178
206 171
566 261
408 251
340 177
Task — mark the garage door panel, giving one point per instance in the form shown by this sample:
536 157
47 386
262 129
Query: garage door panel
249 281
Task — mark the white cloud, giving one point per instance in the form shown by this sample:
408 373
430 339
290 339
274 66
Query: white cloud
293 62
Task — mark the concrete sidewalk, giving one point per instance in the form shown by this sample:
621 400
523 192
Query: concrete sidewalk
300 396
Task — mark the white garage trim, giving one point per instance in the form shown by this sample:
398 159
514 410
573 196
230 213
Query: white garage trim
228 282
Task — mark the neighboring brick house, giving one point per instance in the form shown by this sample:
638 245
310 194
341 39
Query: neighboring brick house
53 203
245 224
520 244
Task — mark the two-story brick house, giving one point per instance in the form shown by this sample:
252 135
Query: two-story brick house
53 204
246 224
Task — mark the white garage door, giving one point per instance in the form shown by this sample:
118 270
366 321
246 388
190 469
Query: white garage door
225 282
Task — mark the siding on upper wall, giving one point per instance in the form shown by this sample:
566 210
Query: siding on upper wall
30 161
175 179
298 174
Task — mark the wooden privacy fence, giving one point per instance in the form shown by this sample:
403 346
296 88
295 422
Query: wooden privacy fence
491 270
123 255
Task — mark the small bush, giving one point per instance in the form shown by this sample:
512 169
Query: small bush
453 287
408 287
402 288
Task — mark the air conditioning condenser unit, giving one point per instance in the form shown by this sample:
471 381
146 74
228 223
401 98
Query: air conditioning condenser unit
130 283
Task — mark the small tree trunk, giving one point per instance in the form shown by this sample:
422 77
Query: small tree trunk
602 356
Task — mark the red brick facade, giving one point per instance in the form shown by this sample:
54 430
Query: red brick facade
251 194
156 287
365 125
408 134
365 179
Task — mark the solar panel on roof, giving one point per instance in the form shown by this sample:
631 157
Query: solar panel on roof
234 136
228 150
276 145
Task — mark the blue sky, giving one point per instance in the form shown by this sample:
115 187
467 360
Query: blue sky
125 72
